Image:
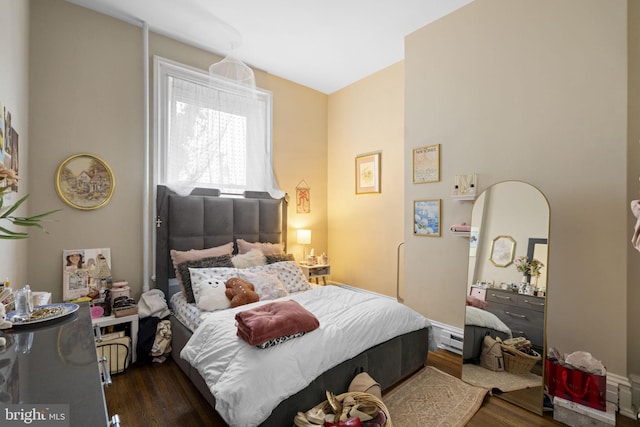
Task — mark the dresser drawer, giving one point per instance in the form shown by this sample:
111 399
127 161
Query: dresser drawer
502 297
522 321
531 302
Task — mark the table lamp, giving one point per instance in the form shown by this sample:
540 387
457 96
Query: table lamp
304 238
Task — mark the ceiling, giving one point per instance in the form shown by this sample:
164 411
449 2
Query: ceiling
323 44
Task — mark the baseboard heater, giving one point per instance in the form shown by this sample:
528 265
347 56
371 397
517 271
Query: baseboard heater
449 337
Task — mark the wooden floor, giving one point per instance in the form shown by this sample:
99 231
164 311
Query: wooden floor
160 395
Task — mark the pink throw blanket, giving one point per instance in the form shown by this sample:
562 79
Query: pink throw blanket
274 320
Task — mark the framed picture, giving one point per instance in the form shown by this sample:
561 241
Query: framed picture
84 181
85 272
303 197
368 173
426 217
426 164
502 250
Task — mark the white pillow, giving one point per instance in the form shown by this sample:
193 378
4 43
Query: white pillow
212 296
266 284
201 277
250 259
266 248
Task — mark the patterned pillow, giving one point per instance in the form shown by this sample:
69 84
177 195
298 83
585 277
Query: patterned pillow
211 293
266 248
266 284
205 275
291 276
184 277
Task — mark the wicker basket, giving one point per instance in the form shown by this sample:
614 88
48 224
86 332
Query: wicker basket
517 362
359 397
125 311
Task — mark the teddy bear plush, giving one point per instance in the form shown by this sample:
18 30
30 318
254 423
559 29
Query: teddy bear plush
240 292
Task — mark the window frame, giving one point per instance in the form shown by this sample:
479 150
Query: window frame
165 67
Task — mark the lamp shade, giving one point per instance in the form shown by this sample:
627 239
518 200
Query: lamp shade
304 237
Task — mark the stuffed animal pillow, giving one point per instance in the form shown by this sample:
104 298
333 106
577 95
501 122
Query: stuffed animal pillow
240 292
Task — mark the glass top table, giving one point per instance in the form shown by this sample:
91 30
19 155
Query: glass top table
50 369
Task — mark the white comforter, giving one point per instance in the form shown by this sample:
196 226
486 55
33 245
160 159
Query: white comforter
248 382
479 317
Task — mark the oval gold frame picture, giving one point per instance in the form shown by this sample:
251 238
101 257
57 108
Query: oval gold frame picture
85 181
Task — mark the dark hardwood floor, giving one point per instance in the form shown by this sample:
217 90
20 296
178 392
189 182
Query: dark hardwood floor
160 395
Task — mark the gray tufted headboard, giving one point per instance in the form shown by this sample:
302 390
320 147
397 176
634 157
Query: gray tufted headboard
204 219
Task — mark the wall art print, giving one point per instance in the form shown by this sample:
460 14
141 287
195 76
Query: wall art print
368 173
303 197
85 181
426 164
85 272
426 218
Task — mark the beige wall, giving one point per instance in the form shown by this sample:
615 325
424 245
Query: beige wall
14 95
86 86
365 229
534 91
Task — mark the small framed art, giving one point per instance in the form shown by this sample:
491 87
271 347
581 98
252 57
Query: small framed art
502 251
85 272
84 181
426 217
368 173
426 164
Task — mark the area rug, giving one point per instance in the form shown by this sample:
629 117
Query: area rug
433 398
503 381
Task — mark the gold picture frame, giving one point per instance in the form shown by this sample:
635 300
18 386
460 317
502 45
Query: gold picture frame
502 251
85 181
426 218
426 164
368 173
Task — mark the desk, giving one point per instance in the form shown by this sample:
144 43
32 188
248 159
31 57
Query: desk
53 365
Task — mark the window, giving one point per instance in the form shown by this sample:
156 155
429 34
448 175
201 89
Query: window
211 132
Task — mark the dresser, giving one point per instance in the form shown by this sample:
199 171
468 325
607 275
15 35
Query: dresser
523 314
51 370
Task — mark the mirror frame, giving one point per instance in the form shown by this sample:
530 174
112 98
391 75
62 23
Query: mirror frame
503 248
530 398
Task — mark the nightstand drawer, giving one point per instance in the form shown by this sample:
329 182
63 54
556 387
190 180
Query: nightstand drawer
321 270
316 272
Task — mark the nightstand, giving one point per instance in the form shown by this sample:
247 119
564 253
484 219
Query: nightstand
131 320
316 272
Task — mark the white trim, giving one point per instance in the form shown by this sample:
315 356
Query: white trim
448 337
635 391
621 386
146 218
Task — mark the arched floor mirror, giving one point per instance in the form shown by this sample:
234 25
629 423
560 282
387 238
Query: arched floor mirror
509 229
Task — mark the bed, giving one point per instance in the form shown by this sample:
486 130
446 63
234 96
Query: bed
478 324
204 219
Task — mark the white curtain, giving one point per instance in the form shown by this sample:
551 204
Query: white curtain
218 131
